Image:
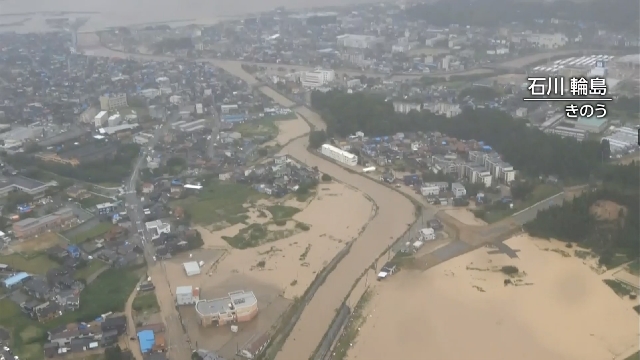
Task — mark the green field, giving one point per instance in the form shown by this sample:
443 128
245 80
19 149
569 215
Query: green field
91 268
263 127
282 212
146 303
635 356
540 192
92 201
38 264
108 293
219 202
26 334
96 231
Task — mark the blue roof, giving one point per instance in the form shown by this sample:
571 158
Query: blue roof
12 280
146 338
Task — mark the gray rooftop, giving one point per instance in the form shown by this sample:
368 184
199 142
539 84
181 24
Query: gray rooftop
20 182
239 299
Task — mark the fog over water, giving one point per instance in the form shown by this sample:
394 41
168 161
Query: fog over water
137 12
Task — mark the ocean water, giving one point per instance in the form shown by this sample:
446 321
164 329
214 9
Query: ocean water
107 13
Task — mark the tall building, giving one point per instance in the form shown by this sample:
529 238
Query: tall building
317 78
113 101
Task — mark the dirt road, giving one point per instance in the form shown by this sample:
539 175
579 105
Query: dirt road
179 348
131 326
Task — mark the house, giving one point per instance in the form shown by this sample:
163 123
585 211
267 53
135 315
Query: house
37 287
118 323
280 159
68 299
48 311
50 350
78 192
427 234
157 227
147 188
387 270
458 190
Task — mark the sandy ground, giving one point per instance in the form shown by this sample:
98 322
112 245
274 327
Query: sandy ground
563 310
289 130
466 217
291 264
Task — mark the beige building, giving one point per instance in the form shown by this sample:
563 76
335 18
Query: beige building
29 227
239 306
113 102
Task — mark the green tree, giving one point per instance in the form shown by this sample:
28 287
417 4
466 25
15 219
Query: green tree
317 138
113 353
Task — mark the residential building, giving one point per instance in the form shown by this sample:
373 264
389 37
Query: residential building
431 190
427 234
458 190
187 295
358 41
106 208
34 226
339 155
117 323
317 78
405 108
238 306
9 184
157 227
101 118
113 101
147 188
546 41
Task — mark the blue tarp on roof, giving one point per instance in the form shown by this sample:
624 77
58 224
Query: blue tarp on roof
146 338
12 280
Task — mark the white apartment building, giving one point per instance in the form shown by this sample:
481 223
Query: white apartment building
458 190
446 109
429 190
502 171
317 78
405 108
545 41
357 41
101 118
113 101
157 227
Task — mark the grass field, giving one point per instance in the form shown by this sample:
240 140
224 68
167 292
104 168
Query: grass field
634 267
147 303
219 202
96 231
262 127
38 264
25 333
93 267
109 292
539 193
281 212
92 201
40 243
635 356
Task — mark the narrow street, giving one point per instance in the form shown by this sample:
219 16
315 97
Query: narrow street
131 325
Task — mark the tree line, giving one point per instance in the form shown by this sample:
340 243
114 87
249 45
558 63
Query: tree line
113 171
528 149
574 221
621 15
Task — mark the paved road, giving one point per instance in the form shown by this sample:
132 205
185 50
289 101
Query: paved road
175 337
